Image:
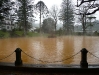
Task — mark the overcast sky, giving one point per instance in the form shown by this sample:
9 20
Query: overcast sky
50 3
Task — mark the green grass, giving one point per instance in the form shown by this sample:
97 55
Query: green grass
4 34
33 34
19 33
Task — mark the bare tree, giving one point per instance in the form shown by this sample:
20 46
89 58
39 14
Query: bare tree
83 1
91 5
85 10
54 12
82 17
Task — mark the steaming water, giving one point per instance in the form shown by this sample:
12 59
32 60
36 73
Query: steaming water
50 49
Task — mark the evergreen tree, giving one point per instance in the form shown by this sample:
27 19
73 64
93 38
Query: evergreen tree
41 9
48 25
54 12
25 12
5 6
67 16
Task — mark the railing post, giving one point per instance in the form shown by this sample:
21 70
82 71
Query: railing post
18 61
83 62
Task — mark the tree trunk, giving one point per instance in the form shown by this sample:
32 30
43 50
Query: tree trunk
67 19
83 24
40 17
25 23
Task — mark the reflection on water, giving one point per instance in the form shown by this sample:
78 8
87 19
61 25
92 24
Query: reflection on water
50 49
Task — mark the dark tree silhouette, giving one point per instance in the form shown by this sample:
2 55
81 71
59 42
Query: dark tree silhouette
42 9
25 11
94 5
67 16
83 1
4 8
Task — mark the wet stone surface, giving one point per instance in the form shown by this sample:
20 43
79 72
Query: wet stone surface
50 69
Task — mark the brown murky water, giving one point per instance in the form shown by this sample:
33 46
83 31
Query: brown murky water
50 49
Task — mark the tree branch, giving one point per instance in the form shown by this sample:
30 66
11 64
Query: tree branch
93 11
84 2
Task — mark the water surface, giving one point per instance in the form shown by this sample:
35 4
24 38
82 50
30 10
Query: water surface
50 49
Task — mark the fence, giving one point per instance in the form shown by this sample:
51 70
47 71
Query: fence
83 62
18 68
